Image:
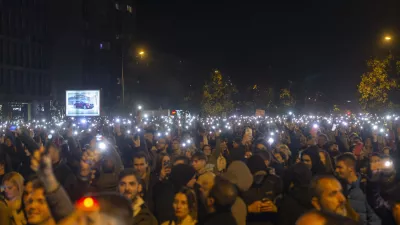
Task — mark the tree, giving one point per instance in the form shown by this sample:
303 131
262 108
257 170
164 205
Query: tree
217 95
376 85
287 98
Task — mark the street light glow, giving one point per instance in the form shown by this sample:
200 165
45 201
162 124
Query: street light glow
388 38
141 53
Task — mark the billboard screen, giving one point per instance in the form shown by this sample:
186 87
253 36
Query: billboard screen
82 103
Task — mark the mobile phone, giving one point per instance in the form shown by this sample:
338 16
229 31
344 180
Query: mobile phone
13 128
334 127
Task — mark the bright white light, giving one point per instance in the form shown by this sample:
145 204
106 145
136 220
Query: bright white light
290 113
381 130
184 145
76 133
145 115
166 133
83 121
159 134
43 120
344 123
188 141
52 131
139 107
270 141
138 129
90 130
375 127
272 133
388 163
74 125
388 117
102 146
129 131
50 136
117 120
315 126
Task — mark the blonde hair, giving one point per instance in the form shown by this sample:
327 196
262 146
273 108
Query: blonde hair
17 180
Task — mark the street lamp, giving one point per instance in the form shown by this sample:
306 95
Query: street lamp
141 53
388 38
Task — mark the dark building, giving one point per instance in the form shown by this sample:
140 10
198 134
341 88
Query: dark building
88 39
25 82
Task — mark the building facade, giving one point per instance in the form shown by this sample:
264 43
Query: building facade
25 81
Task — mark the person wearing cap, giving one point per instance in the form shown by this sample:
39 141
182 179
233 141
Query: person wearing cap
129 186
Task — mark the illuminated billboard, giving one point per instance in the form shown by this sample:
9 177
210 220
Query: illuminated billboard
82 103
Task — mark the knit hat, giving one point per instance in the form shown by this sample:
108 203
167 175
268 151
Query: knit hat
181 174
256 163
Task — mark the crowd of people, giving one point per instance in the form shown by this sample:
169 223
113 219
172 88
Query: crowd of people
187 171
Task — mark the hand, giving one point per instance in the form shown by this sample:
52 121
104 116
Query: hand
87 161
136 142
41 163
268 206
254 207
164 173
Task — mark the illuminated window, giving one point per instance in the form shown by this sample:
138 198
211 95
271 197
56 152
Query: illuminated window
129 8
117 5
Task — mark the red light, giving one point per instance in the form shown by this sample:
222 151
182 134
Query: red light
173 112
88 204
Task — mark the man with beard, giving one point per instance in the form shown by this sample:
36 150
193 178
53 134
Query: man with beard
129 186
326 195
36 208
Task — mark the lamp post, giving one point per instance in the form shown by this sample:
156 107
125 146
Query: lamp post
141 54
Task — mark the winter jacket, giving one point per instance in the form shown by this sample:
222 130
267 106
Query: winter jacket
380 205
67 179
225 218
293 205
144 217
239 174
264 187
359 203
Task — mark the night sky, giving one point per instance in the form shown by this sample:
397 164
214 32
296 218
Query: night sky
319 44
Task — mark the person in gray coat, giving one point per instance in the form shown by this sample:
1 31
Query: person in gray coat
346 170
239 174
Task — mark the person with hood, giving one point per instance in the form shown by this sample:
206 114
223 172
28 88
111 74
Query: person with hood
164 192
296 200
239 174
311 158
263 193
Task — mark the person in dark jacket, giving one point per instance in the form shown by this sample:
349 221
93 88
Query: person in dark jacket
219 203
164 191
263 193
296 200
346 170
311 158
62 172
129 186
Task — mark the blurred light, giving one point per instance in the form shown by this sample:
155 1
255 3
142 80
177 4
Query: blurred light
188 141
102 145
315 126
270 141
83 121
145 115
117 120
388 38
88 202
290 113
52 131
139 107
159 134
